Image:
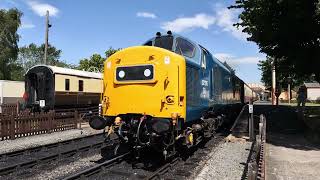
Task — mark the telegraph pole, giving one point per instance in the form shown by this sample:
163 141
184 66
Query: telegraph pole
46 38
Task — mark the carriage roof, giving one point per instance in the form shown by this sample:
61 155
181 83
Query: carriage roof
68 71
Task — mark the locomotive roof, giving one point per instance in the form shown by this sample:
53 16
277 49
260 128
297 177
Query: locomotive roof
68 71
197 57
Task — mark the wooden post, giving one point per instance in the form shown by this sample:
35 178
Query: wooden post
77 119
46 39
12 127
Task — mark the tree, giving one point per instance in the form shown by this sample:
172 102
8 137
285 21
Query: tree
32 55
95 62
286 30
9 24
111 51
283 74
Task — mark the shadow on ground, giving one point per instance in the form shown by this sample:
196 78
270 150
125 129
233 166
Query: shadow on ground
290 128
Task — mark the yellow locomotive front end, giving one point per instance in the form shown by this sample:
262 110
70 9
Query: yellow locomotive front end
145 80
144 98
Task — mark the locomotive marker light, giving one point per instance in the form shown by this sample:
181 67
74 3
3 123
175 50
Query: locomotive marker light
121 74
147 72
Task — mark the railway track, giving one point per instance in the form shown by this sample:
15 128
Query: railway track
121 167
27 158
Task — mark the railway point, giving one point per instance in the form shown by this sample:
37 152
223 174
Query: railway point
146 90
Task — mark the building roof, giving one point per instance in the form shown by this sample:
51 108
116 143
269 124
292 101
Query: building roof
9 81
67 71
312 85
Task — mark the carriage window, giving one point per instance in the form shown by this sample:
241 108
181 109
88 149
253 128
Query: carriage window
67 84
184 47
80 85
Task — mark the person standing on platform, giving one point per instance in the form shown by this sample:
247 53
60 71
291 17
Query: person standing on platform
302 96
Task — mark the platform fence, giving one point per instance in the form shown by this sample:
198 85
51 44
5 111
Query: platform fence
256 168
26 123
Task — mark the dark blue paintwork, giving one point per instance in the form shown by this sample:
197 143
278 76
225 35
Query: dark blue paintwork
209 82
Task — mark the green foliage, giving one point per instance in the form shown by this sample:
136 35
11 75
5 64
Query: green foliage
283 72
95 62
32 55
110 51
287 30
9 24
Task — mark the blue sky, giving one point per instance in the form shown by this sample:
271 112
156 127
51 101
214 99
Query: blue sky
83 27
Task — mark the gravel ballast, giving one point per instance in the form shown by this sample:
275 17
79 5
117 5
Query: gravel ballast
43 139
227 161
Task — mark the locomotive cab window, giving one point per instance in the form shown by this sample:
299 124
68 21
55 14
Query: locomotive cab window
149 43
184 47
67 84
80 85
164 42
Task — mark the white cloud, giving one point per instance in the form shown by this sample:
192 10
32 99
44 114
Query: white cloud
146 15
225 20
187 23
27 25
233 60
41 8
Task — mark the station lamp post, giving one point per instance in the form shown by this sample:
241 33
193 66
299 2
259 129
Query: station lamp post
289 89
273 87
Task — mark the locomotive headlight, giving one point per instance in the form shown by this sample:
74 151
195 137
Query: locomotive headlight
147 72
121 74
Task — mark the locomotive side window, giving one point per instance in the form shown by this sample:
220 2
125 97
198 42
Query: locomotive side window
211 84
204 56
80 85
67 84
184 48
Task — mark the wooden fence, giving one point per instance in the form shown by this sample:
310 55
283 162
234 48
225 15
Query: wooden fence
27 123
9 109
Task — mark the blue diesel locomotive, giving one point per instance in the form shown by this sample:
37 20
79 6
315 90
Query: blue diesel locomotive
167 92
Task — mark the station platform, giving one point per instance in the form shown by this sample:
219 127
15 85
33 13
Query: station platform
292 147
291 156
292 142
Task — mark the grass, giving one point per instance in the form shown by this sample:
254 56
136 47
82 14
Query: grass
307 104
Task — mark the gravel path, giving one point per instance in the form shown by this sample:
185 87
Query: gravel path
227 161
60 171
57 169
38 140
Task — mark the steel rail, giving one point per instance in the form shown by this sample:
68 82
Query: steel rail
163 169
46 158
46 146
97 168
